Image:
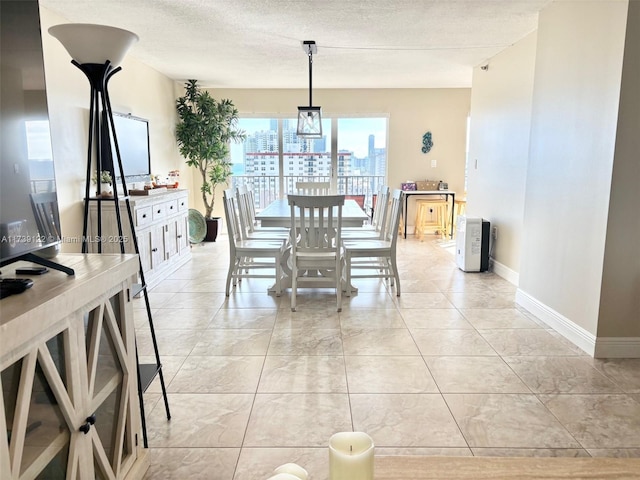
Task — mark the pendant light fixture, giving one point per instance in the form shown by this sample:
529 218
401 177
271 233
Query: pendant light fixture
309 118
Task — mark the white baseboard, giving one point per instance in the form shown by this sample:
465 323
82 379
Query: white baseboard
617 347
597 347
561 324
505 272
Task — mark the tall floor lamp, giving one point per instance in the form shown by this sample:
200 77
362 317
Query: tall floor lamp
98 50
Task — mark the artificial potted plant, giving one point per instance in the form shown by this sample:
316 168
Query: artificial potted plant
103 183
205 128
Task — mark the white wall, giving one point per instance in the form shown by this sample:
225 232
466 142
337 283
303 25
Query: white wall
137 89
144 92
499 148
619 314
411 112
573 130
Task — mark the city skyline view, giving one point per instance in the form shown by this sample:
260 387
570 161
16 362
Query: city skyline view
363 138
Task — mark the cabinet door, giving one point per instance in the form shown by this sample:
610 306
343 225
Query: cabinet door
157 246
42 406
110 377
170 238
144 237
182 237
69 402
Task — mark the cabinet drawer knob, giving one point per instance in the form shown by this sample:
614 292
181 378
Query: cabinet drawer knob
154 249
85 427
144 215
91 419
179 236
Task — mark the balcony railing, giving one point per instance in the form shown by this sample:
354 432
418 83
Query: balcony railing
267 188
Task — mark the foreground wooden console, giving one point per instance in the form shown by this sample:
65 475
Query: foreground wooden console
69 381
501 468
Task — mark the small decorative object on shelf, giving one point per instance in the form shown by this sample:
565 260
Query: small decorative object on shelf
408 186
104 184
427 142
174 178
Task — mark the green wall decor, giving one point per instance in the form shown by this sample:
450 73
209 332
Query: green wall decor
427 142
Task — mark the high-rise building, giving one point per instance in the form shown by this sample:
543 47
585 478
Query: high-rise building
302 157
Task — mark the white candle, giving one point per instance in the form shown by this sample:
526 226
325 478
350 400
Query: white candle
293 469
351 456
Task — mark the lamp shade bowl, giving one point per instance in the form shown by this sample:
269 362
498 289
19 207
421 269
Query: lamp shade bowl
90 43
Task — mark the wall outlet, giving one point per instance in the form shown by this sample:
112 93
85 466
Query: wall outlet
434 163
494 232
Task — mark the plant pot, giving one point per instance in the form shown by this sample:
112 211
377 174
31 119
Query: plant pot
106 190
213 225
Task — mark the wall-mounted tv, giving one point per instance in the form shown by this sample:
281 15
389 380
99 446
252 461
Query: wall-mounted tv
132 134
29 216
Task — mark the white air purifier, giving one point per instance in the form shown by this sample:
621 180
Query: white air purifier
472 244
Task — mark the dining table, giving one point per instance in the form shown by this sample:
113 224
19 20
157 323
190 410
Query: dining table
278 214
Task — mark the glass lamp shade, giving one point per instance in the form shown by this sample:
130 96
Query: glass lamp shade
309 122
88 43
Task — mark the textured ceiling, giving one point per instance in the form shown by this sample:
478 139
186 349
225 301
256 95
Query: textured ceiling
361 43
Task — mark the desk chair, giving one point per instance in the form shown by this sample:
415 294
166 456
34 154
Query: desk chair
460 207
431 215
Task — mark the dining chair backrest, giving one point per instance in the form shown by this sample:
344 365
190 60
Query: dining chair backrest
381 210
317 221
316 226
313 188
395 211
246 210
232 217
45 209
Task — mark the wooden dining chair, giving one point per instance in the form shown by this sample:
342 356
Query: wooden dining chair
376 258
249 256
375 230
313 188
247 217
315 243
45 210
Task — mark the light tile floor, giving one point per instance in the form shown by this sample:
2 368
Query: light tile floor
452 367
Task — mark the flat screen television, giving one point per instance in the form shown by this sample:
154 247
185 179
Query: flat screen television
29 215
132 134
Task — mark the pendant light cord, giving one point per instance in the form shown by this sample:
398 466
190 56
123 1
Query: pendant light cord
310 76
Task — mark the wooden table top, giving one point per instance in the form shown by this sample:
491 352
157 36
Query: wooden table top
502 468
278 214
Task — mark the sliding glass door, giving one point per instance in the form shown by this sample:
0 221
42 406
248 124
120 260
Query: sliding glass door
361 157
351 155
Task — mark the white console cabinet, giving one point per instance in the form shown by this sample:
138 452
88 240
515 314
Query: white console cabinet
162 226
70 407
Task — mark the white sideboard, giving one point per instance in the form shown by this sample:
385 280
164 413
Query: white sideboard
162 228
70 404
